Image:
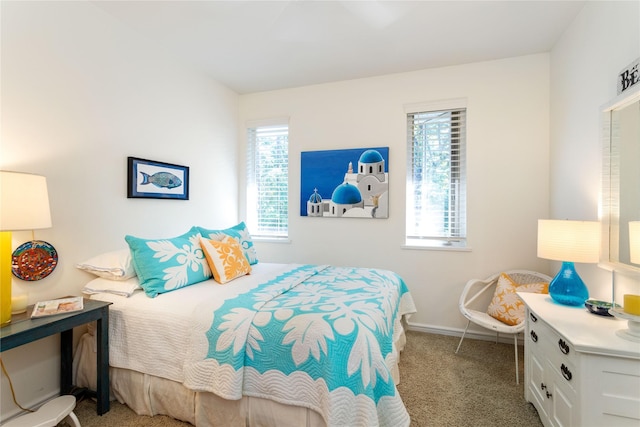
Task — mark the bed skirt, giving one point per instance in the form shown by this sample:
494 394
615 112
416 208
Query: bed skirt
150 395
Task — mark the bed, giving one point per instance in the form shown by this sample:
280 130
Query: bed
286 345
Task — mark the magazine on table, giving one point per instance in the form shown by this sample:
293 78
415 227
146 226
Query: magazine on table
57 306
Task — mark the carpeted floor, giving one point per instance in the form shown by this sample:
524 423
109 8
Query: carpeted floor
476 388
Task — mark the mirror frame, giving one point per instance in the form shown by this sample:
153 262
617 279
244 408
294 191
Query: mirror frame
610 191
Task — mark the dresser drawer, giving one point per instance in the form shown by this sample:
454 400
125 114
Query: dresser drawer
558 346
566 373
616 400
555 348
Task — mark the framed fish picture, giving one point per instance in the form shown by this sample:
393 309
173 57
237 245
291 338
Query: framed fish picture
149 179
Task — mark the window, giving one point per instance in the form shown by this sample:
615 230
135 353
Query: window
267 180
436 178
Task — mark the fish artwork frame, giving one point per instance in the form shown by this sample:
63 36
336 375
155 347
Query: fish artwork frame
149 179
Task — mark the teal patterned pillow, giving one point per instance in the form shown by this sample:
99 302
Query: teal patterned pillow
239 232
164 265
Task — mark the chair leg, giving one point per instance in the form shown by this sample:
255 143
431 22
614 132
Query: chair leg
463 334
72 420
515 346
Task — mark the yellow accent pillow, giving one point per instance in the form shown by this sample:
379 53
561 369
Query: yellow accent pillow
225 258
505 305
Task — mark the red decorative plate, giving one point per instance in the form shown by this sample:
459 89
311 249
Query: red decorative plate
34 260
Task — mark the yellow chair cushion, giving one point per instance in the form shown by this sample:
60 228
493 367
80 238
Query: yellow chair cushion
505 305
225 258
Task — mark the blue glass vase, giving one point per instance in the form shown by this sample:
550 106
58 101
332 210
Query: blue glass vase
567 287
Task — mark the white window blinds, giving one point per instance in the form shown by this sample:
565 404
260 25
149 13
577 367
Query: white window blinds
267 179
436 178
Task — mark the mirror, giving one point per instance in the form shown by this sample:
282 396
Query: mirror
621 178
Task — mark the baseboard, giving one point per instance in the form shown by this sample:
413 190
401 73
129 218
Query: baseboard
33 404
471 334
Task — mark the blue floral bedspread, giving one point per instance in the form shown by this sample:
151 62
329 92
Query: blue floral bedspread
314 336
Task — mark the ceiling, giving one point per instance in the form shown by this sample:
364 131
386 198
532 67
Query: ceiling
254 46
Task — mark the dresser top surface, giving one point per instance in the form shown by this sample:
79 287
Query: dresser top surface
588 332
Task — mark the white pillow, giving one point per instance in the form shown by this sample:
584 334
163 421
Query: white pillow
117 287
115 265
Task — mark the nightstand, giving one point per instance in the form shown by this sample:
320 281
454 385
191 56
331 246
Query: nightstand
578 371
23 330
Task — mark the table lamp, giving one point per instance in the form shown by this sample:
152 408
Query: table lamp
631 301
24 205
569 242
634 242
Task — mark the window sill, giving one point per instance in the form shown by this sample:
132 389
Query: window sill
271 239
436 248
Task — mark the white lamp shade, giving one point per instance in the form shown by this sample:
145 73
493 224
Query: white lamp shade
634 241
573 241
24 202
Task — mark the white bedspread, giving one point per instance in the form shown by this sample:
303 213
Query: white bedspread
165 337
135 322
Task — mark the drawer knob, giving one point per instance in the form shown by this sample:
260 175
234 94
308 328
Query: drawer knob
544 387
534 336
566 373
563 346
533 317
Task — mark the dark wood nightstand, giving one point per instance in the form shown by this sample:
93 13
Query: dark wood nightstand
23 330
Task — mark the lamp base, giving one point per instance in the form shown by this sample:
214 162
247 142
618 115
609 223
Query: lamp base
567 288
5 278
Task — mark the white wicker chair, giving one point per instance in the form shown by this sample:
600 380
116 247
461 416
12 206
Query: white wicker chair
475 288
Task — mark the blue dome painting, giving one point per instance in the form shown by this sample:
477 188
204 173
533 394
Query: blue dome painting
345 183
371 156
346 194
315 197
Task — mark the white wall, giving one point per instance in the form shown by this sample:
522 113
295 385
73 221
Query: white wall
80 93
603 39
508 150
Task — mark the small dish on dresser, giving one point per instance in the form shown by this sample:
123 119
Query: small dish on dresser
599 307
621 314
633 322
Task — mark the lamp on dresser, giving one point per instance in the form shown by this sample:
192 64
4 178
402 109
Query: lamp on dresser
634 242
631 305
24 205
569 242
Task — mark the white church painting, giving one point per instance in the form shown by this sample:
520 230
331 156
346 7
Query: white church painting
350 183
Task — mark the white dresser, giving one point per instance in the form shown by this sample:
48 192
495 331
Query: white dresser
577 371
